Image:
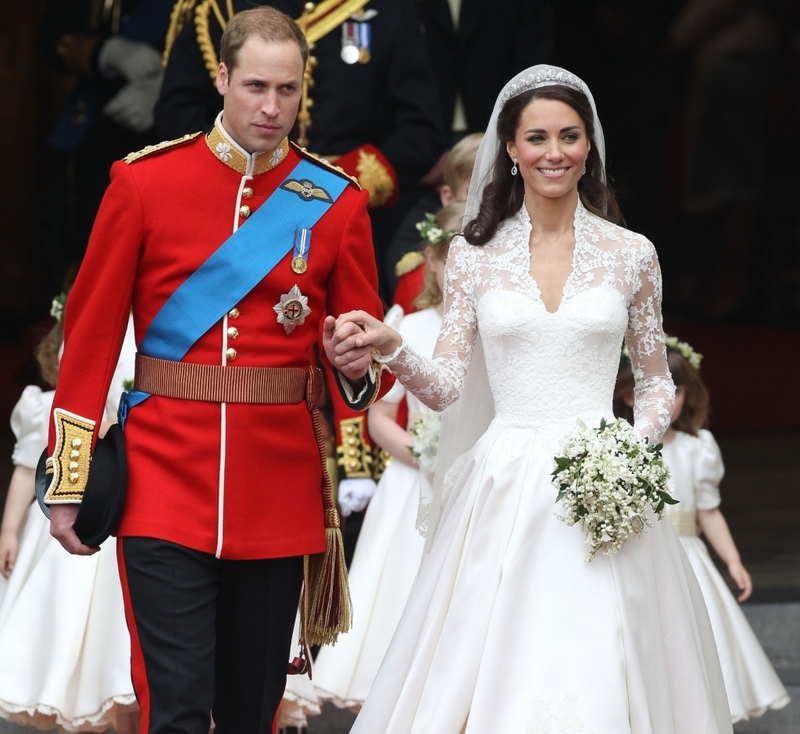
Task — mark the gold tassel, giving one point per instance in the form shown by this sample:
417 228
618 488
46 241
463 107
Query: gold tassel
327 607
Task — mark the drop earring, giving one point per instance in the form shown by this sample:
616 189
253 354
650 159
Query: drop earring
514 169
584 170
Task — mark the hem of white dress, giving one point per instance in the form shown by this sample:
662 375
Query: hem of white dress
42 714
778 703
340 703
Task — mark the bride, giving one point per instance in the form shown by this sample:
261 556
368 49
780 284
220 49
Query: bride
508 628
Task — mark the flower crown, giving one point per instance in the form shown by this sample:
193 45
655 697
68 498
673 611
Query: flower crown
57 306
544 77
432 233
673 344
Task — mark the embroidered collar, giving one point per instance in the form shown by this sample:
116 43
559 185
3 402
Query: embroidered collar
226 149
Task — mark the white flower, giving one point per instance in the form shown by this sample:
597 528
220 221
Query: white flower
224 151
608 481
426 441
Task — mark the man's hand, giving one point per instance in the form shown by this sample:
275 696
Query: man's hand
62 519
352 361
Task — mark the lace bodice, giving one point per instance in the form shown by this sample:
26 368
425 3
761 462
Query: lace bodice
547 369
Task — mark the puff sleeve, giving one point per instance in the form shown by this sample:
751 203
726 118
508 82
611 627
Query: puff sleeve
709 473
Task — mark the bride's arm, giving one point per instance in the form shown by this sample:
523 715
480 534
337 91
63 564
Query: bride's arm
436 382
654 391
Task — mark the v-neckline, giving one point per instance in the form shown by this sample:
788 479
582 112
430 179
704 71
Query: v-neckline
573 259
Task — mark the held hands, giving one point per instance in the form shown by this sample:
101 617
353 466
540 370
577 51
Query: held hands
62 519
350 339
742 578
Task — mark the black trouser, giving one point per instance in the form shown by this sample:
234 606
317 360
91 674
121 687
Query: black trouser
207 635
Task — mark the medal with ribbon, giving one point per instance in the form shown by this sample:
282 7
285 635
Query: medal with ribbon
302 246
356 42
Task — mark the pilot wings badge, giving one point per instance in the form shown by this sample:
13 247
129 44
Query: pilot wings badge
306 190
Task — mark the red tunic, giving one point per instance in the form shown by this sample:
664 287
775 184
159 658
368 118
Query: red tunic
238 480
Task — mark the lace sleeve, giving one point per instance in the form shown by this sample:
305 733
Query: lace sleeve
437 382
654 392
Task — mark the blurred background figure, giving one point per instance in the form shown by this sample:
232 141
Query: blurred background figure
110 52
728 52
475 47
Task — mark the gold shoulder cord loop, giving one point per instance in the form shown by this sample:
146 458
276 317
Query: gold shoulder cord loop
201 23
181 12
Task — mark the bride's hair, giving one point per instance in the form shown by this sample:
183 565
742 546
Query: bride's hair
504 194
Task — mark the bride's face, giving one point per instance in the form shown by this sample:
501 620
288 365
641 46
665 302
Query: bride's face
550 148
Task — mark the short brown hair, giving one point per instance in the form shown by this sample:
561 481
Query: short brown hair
461 160
268 23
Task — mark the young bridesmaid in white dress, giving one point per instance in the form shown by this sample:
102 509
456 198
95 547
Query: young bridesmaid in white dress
389 547
695 461
64 645
507 628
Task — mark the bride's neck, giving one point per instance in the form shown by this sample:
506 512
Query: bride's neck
551 217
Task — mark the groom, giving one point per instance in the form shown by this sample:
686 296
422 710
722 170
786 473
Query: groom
229 248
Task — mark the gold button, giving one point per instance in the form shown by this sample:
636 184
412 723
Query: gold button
231 354
73 465
352 452
73 478
247 192
244 211
233 332
353 464
76 442
351 441
74 454
349 430
233 313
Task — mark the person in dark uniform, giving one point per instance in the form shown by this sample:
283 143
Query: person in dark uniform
229 249
475 47
374 101
113 50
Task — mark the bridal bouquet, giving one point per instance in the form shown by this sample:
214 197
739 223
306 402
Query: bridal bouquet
426 441
606 477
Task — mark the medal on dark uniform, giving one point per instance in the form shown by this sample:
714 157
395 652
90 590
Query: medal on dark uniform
292 309
302 246
364 43
350 52
356 42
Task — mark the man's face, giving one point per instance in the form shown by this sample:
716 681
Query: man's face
262 93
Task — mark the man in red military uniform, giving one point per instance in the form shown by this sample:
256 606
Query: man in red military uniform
225 469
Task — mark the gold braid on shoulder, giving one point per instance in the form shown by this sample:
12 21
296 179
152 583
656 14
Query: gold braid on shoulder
181 12
201 23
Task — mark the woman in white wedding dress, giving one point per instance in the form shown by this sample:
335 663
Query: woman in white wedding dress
507 628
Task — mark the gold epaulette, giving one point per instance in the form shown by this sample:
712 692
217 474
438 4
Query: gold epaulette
410 261
325 163
158 147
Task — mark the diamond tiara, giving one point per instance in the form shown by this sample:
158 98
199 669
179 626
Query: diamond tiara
544 77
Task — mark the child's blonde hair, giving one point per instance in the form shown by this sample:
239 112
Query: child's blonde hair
448 219
461 160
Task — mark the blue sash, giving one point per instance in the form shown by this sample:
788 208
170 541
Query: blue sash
237 266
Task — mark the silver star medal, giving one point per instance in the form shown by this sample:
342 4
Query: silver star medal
292 309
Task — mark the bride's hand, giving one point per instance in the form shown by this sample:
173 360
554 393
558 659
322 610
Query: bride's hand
350 339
